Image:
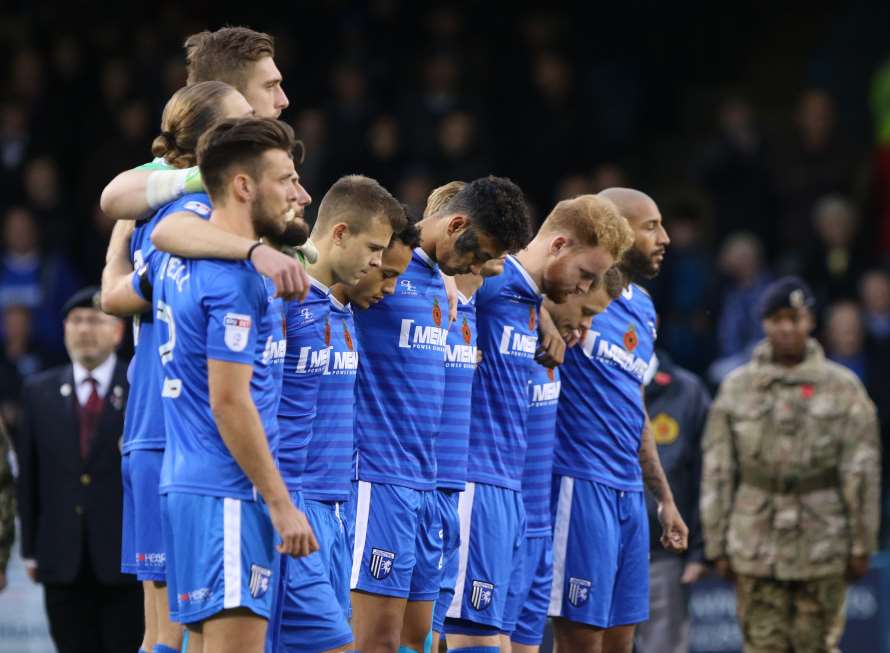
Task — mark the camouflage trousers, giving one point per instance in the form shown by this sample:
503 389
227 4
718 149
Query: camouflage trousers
804 616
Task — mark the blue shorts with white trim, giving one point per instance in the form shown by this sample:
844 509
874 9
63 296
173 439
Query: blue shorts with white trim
529 597
492 529
398 541
142 540
307 617
328 523
606 585
221 555
448 503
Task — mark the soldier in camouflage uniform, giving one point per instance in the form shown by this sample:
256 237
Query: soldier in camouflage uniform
7 503
790 483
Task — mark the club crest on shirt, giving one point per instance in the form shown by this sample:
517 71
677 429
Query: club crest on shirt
532 318
381 563
579 591
437 313
237 331
259 580
665 429
630 338
480 597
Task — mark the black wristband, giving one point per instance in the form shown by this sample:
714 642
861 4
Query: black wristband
250 251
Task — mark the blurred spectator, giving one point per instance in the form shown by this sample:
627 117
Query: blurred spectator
683 287
7 503
735 171
608 175
739 327
833 261
385 156
461 154
69 487
19 359
349 115
439 95
311 128
43 195
14 145
33 278
571 186
817 162
414 189
845 337
874 293
553 126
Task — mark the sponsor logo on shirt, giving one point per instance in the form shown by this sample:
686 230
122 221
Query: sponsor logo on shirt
546 393
407 288
517 344
274 351
313 361
344 362
237 330
615 355
381 563
482 593
418 336
460 356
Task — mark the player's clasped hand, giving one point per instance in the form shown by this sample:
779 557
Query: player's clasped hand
297 538
291 280
675 534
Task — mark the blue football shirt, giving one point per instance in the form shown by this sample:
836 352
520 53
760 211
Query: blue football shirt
601 413
308 351
460 364
507 314
328 467
142 427
543 390
220 310
401 379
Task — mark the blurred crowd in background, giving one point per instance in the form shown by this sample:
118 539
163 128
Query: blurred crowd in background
764 136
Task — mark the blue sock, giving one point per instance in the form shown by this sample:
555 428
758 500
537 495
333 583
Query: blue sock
160 648
475 649
407 649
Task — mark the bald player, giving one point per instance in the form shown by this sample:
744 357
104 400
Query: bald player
604 454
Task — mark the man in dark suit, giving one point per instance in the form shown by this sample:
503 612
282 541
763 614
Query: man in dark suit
69 487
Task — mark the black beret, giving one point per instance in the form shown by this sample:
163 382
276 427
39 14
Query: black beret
787 292
84 298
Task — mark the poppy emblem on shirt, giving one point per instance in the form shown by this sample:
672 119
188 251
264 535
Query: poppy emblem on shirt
465 331
532 318
437 313
665 429
806 391
630 338
327 333
347 336
550 374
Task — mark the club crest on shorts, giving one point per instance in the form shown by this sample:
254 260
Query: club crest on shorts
381 563
259 580
482 594
579 591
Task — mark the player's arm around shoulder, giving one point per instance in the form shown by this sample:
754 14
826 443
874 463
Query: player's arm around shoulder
135 194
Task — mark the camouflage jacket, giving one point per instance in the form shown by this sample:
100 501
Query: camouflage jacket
791 469
7 499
